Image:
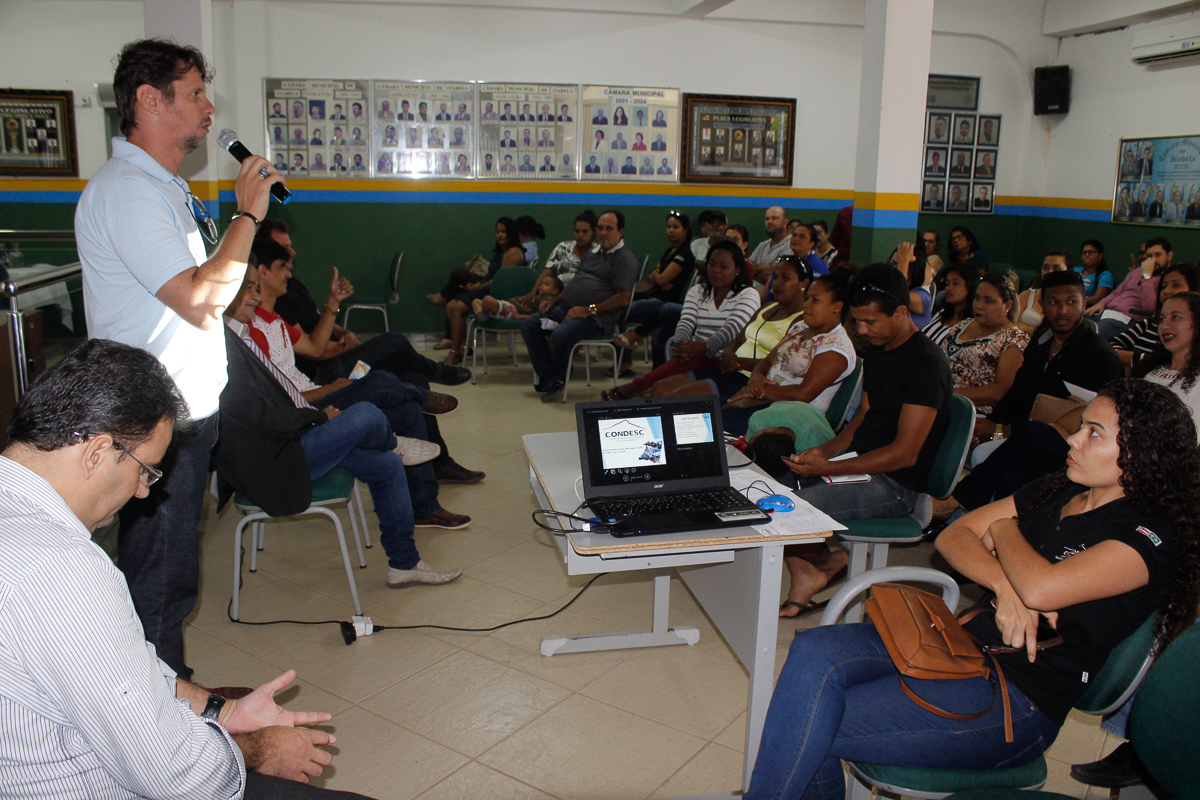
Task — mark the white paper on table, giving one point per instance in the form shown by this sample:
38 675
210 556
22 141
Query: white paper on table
1080 392
804 518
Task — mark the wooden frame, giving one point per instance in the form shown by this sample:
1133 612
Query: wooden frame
37 133
761 155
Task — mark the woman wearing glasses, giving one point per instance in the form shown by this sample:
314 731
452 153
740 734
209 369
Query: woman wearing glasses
965 247
1091 553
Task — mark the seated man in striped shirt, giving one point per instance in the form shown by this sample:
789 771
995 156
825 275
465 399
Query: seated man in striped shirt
87 709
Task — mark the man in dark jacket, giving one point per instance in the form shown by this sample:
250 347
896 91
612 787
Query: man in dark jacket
274 444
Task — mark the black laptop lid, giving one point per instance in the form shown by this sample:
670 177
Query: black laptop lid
651 446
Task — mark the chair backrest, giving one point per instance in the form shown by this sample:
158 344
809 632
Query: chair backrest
1165 724
840 404
952 452
1127 664
855 586
512 281
394 276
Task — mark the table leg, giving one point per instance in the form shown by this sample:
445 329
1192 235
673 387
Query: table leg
741 598
659 634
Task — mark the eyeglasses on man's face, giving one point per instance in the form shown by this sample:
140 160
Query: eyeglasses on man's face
152 475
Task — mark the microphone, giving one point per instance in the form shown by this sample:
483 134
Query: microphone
229 141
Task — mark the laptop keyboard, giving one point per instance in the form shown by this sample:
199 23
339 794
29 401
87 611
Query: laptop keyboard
704 500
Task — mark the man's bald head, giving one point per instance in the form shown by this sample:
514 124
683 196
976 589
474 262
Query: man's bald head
775 221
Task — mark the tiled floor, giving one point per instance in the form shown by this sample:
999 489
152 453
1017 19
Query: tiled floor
444 715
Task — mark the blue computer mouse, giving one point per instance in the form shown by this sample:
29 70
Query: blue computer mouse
776 502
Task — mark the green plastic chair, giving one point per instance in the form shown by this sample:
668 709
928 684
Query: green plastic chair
507 282
379 302
1163 728
839 406
336 487
869 539
1111 687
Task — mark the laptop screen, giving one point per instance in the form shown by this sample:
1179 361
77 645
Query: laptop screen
637 446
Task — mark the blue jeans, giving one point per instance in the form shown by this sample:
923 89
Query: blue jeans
360 441
549 350
401 403
657 320
839 697
390 352
158 544
879 498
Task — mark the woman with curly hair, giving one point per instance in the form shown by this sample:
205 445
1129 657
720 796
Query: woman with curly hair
1092 553
715 311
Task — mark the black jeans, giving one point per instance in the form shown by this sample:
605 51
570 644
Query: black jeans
158 545
265 787
1033 451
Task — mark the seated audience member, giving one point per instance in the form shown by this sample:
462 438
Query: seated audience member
657 298
389 352
508 253
807 367
545 290
1175 362
986 350
902 417
740 235
910 260
712 230
757 341
824 248
1064 353
1095 551
589 307
402 403
1141 338
89 708
958 294
715 311
778 243
275 443
1030 317
566 256
931 240
529 230
803 245
1097 280
963 246
1137 293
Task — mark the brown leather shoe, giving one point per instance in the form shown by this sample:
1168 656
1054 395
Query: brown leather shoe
446 520
440 403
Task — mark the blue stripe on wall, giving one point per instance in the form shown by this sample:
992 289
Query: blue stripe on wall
553 198
40 197
1055 212
884 218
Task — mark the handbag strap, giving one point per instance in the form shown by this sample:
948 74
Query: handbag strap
1004 701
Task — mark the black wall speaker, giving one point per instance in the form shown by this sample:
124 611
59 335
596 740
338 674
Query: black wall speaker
1051 90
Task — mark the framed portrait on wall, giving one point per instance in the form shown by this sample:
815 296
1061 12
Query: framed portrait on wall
963 132
630 133
37 133
319 128
937 128
935 162
732 139
547 111
1158 181
989 130
932 197
958 197
981 198
958 92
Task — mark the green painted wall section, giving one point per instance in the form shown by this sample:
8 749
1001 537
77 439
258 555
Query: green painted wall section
876 244
361 239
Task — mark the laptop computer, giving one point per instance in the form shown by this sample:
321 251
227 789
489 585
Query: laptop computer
659 466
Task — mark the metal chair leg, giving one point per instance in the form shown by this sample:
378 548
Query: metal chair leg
362 513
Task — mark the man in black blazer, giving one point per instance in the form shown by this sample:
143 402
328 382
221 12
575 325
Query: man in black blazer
275 444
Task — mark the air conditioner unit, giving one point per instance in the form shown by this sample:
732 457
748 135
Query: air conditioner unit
1167 42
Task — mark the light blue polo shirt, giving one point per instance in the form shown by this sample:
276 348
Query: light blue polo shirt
134 233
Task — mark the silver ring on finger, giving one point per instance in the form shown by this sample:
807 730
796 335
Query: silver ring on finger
266 173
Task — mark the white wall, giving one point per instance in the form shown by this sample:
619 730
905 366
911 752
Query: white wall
72 44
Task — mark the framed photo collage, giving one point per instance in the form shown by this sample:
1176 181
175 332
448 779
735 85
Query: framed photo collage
961 156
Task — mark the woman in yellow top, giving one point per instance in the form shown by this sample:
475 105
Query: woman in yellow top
755 342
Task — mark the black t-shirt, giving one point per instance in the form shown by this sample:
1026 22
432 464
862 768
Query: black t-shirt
686 260
915 373
297 306
1090 631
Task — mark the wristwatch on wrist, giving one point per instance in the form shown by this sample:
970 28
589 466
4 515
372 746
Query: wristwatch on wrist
257 222
592 309
215 703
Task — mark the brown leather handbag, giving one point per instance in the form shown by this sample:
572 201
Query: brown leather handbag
926 640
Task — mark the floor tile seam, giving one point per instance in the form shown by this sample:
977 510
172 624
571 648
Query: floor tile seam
605 671
684 766
516 731
493 769
675 728
403 678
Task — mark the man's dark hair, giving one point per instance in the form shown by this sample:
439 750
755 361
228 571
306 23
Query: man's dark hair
770 448
716 216
100 387
1160 241
703 218
270 226
882 284
1064 254
268 251
157 62
620 217
1067 278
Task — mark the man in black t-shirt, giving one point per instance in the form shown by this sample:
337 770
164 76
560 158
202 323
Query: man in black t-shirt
904 414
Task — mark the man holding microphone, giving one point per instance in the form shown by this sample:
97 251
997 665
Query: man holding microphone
149 281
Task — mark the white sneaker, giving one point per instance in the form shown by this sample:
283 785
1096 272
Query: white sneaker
422 573
416 451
